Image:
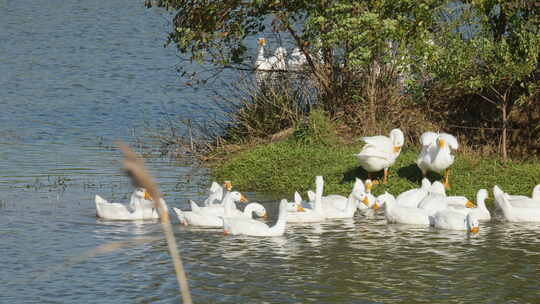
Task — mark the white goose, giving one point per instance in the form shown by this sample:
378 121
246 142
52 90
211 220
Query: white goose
207 218
453 220
436 200
380 152
295 206
312 213
140 208
236 226
311 197
524 201
436 154
250 208
215 195
481 212
262 63
403 215
277 62
214 204
368 185
297 60
337 206
411 198
515 214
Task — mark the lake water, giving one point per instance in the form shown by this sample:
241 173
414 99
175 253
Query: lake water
77 75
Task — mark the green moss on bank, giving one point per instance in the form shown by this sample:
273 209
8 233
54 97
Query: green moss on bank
287 166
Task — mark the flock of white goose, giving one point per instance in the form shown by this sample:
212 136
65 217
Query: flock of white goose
428 205
280 61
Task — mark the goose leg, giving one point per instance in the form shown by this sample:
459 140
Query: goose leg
446 181
386 175
373 181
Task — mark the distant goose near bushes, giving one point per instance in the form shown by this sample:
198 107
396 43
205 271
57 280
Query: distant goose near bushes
277 61
297 60
262 65
381 152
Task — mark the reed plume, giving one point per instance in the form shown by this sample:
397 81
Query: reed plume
134 166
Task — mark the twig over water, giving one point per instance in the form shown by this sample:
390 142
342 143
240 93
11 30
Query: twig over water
134 165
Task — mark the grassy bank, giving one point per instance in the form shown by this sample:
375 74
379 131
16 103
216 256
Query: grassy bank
285 166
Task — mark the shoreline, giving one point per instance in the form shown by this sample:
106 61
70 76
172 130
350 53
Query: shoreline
283 167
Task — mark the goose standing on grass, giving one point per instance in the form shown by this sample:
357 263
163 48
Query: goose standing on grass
396 214
453 220
312 213
514 214
380 152
436 154
524 201
240 226
207 218
140 207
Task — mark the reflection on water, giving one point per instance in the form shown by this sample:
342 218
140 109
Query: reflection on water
75 76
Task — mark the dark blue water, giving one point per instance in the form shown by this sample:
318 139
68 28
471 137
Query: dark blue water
77 75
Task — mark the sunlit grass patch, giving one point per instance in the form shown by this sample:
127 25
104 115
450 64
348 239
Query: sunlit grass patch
287 166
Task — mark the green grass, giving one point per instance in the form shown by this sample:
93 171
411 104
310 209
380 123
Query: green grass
280 168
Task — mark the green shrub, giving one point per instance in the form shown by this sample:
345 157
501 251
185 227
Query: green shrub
318 129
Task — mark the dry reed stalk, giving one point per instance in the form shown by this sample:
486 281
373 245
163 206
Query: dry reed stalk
134 165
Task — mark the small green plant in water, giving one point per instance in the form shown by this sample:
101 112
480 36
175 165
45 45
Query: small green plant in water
318 129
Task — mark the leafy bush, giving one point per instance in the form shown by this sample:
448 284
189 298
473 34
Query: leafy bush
317 129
